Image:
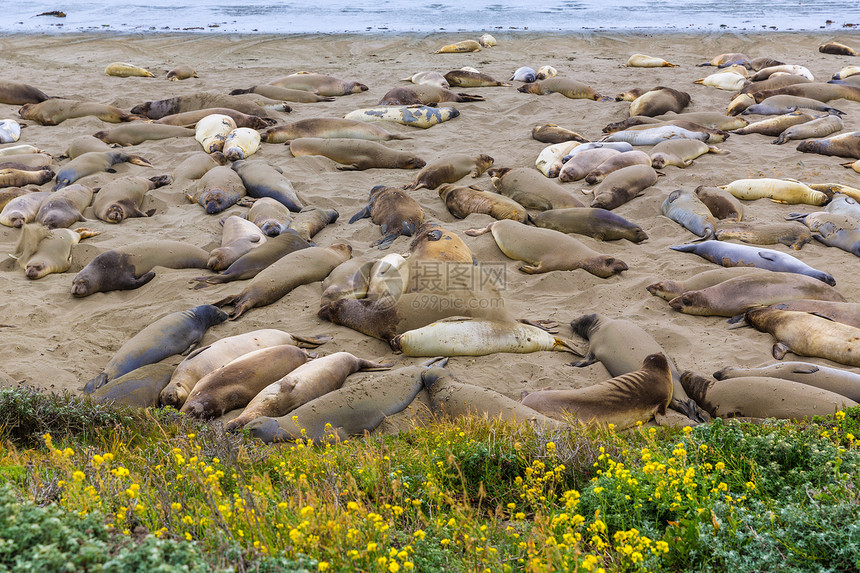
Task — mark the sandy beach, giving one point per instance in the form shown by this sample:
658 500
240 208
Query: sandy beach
51 339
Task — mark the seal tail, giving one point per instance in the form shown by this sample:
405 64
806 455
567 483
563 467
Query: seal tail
311 341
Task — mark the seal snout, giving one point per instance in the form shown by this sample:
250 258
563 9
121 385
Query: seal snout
34 271
80 288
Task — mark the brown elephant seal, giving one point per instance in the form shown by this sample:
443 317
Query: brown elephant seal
463 201
16 93
295 269
630 95
616 162
65 207
195 102
792 235
842 382
311 220
546 250
467 79
532 190
552 133
22 209
842 312
565 86
356 154
10 193
236 383
283 94
26 161
270 216
189 119
818 91
806 334
737 295
837 49
659 100
425 95
450 169
584 162
844 145
20 177
130 267
624 400
623 185
775 125
305 383
598 224
138 132
122 198
182 72
710 119
238 236
669 289
349 279
680 152
41 251
394 211
197 165
139 388
452 398
210 358
774 82
320 84
328 128
721 203
728 59
95 162
55 111
434 243
760 397
620 345
219 189
85 144
175 333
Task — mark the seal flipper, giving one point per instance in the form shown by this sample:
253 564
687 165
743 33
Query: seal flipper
142 280
589 359
810 369
95 383
311 341
780 349
689 408
385 242
363 214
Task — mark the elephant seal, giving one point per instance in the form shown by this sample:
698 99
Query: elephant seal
463 201
194 102
85 144
552 133
295 269
237 238
425 95
312 220
10 193
23 209
305 383
172 334
283 94
460 47
138 132
783 103
728 59
731 255
467 79
834 229
320 84
124 70
262 180
547 250
735 296
843 145
190 119
55 111
532 190
271 216
643 61
685 208
94 162
724 81
584 162
524 74
27 161
621 346
819 91
431 78
251 263
843 312
780 190
328 128
621 186
721 203
139 388
210 358
837 49
624 400
669 289
762 397
20 177
789 234
121 199
355 154
551 159
775 125
806 334
15 93
130 267
41 251
680 152
211 131
450 169
241 143
844 205
841 382
183 72
767 72
236 383
659 100
394 211
598 224
197 165
421 116
820 127
620 161
434 243
565 86
65 207
219 189
349 279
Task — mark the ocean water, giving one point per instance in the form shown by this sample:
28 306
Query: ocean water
399 16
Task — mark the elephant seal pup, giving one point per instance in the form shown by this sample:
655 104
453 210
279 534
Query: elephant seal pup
780 190
463 201
421 116
762 397
732 255
551 133
842 382
211 131
235 384
320 84
283 94
124 70
251 263
312 220
643 61
460 47
431 78
450 169
237 238
820 127
806 334
94 162
565 86
139 388
840 204
659 100
172 334
121 199
433 243
210 358
620 345
197 165
775 125
551 159
837 49
737 295
130 267
328 128
349 279
621 186
823 92
55 111
219 189
834 229
262 180
15 93
194 102
532 190
85 144
27 161
138 132
270 216
843 145
20 177
425 95
729 59
41 251
680 152
183 72
791 235
65 207
624 400
783 103
584 162
620 161
394 211
10 193
598 224
23 209
467 79
295 269
668 289
546 250
355 154
721 203
190 119
844 312
241 143
305 383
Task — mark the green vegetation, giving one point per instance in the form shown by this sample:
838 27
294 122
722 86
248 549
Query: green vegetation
85 487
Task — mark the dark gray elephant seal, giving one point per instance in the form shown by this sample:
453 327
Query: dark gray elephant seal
65 207
396 213
836 380
140 388
600 224
175 333
15 93
94 162
262 180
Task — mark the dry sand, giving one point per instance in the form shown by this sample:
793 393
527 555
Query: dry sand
55 340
